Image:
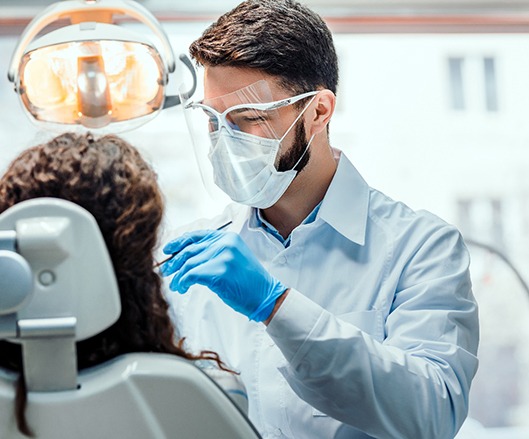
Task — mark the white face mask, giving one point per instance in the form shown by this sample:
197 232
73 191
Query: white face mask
244 166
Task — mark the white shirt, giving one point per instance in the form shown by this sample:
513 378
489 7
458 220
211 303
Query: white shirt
378 335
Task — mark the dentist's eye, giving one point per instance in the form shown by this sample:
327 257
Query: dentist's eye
253 119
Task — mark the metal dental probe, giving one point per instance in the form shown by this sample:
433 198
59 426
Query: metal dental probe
174 254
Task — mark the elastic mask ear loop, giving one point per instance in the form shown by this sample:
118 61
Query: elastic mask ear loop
304 152
297 118
310 140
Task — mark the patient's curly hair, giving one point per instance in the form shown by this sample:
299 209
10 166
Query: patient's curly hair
110 179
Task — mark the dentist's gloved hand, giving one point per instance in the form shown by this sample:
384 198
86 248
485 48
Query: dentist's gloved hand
223 262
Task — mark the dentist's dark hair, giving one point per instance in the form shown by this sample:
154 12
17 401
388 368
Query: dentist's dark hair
110 179
279 37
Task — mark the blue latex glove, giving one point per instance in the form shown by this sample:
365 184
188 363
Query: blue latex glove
223 262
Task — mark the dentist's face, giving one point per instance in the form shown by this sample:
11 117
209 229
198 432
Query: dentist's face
225 82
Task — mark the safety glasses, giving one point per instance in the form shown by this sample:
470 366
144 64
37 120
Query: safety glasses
251 118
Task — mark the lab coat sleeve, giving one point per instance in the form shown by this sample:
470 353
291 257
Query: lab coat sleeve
412 384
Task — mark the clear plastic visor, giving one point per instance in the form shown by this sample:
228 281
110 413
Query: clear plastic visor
92 83
250 110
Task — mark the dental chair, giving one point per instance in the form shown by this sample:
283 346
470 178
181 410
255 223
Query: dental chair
57 286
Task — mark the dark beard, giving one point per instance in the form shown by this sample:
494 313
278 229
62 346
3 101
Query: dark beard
287 161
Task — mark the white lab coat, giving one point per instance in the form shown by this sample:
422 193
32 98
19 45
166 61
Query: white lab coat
378 336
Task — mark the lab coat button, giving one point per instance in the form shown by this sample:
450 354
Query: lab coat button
282 260
277 432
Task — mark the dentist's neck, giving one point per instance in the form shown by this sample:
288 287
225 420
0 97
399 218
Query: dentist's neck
305 192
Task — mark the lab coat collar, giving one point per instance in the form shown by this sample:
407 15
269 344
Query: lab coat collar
345 205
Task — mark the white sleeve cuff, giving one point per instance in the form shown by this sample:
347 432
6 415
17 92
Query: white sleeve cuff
293 324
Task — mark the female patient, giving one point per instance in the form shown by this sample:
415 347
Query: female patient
109 178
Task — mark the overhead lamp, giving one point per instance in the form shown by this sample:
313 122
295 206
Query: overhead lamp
93 72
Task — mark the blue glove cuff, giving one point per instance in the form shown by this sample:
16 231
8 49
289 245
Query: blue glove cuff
264 310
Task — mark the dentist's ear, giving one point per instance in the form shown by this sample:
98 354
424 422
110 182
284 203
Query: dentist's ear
321 111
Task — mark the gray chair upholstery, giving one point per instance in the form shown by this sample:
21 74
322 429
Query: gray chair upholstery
58 287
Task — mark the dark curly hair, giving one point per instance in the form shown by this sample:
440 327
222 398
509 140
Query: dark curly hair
110 179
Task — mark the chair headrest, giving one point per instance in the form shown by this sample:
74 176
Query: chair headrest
71 271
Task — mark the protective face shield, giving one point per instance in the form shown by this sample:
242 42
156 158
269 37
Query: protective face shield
238 139
93 73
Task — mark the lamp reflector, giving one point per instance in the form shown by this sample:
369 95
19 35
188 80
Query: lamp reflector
92 83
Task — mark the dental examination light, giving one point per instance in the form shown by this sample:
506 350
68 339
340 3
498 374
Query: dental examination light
92 72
